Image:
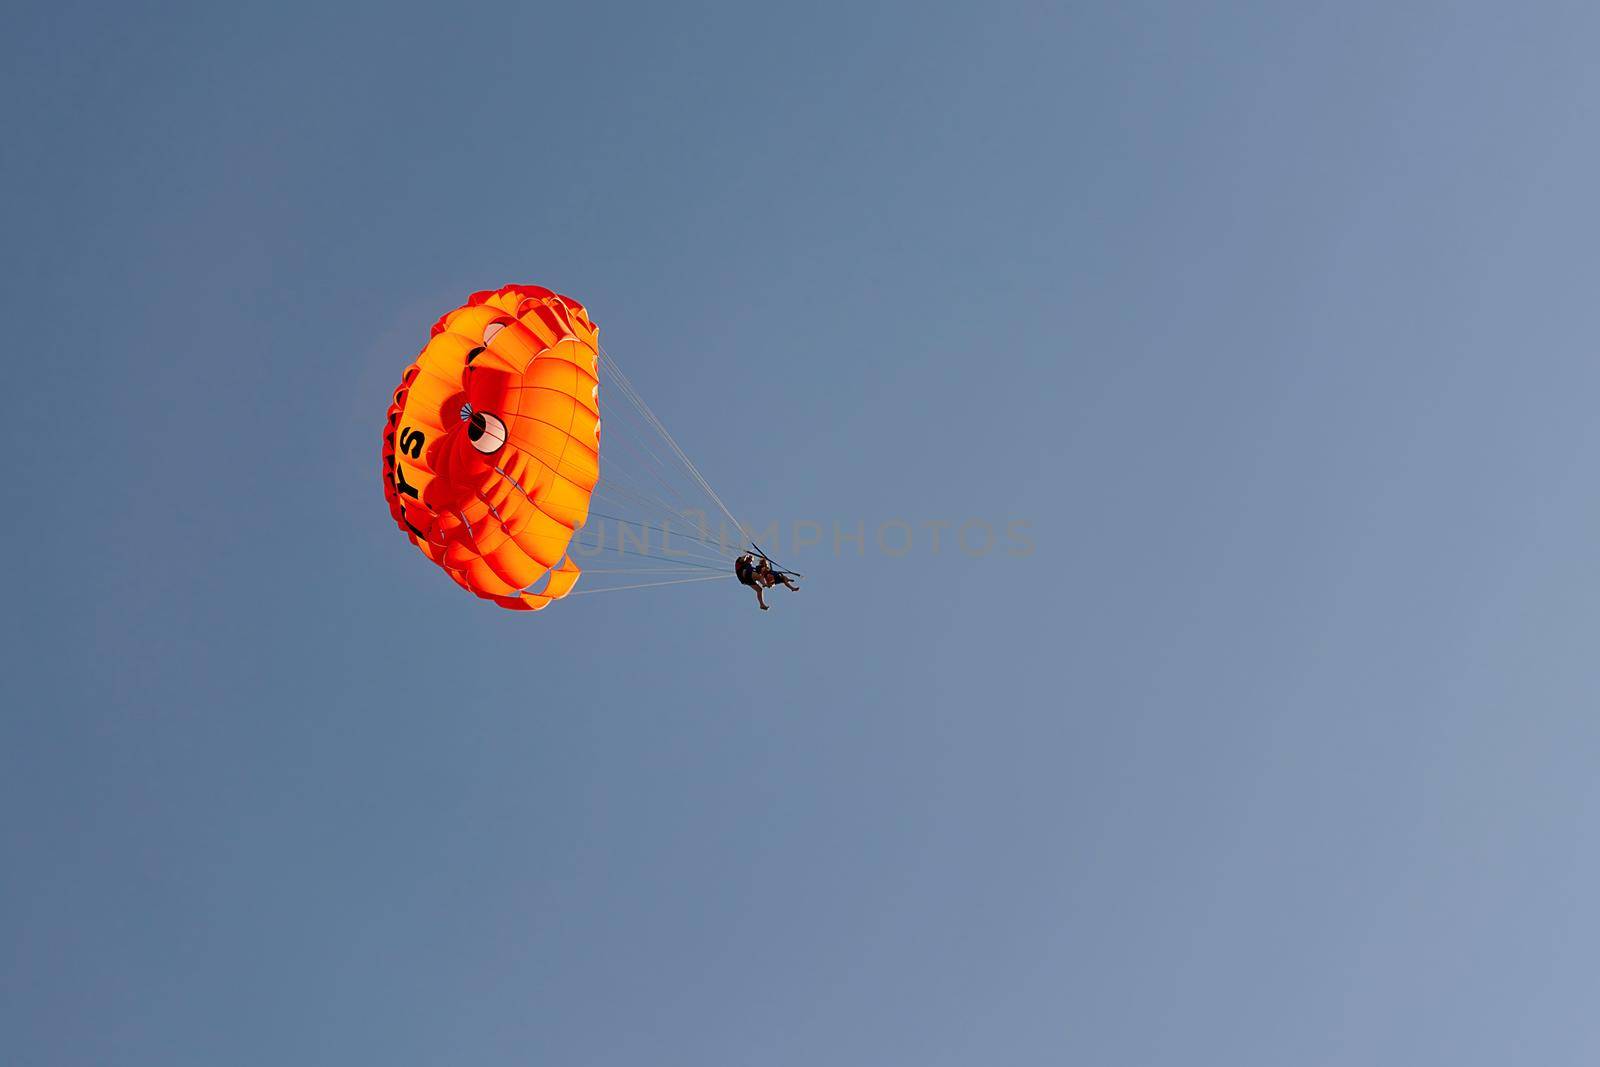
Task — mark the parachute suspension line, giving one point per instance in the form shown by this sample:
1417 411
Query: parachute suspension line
622 494
643 449
649 416
625 494
688 531
672 521
640 448
574 537
673 553
605 550
650 585
601 551
684 565
652 425
641 570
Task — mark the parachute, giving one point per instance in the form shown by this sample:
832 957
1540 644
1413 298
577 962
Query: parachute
492 461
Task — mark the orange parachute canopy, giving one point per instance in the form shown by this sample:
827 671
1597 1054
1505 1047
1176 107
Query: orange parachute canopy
491 448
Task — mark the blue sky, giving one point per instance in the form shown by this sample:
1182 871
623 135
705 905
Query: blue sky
1274 323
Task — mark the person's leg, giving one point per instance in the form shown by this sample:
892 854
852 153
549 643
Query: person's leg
761 599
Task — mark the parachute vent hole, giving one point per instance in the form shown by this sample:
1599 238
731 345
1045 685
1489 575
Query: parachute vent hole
486 432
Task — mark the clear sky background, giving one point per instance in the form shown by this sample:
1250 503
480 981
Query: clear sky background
1277 322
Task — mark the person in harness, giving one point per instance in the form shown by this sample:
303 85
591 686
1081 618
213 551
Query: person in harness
758 573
